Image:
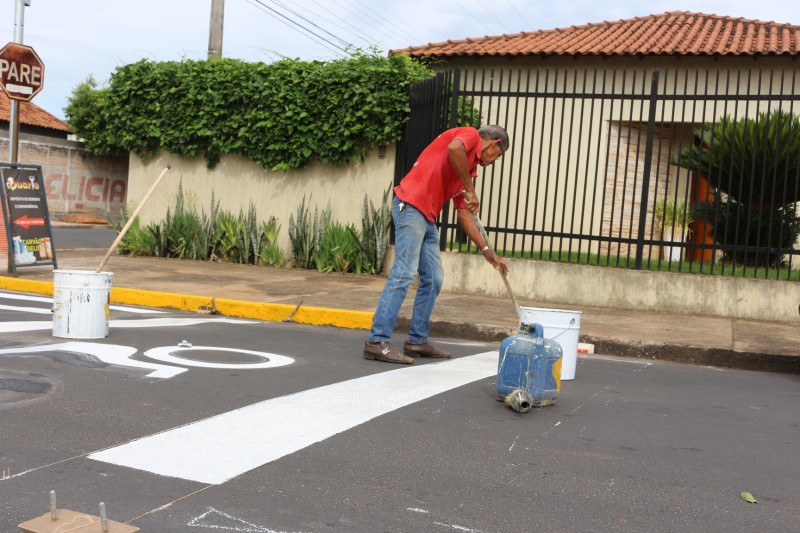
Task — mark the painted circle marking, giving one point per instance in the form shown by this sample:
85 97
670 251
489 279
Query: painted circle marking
168 354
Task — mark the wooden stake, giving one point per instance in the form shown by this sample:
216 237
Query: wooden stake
131 219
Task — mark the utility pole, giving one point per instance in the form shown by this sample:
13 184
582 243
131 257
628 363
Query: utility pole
13 119
215 31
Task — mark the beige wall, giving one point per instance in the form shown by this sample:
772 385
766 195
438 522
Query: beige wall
565 285
236 181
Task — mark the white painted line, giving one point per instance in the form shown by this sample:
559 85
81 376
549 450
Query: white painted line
43 299
9 296
172 322
16 327
35 310
222 447
167 355
112 354
214 519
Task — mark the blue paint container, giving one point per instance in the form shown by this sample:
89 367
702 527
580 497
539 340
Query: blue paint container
529 369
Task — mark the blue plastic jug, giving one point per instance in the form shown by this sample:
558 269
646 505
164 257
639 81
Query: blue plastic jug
528 369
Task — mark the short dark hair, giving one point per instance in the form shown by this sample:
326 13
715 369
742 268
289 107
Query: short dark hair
495 133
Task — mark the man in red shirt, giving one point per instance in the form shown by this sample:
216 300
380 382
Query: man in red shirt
443 171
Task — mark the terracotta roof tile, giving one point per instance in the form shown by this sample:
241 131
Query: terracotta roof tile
671 33
30 114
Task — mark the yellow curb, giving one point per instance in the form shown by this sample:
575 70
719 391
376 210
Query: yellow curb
26 285
183 302
315 316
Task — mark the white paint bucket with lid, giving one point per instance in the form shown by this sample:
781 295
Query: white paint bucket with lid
80 304
560 326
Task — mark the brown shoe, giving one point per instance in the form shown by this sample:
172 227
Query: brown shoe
424 350
386 352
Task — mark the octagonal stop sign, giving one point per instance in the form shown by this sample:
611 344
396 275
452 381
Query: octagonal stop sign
21 71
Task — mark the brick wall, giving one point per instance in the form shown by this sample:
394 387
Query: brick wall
75 180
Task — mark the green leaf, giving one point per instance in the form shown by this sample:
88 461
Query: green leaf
746 496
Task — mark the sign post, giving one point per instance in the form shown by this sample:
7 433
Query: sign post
27 220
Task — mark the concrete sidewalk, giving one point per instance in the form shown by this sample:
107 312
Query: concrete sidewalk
349 301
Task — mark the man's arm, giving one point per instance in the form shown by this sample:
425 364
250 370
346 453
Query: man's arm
467 222
458 158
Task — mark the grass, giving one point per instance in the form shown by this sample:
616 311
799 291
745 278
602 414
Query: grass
656 265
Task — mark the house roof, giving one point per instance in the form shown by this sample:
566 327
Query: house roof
30 114
671 33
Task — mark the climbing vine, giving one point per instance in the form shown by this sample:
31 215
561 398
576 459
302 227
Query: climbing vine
280 115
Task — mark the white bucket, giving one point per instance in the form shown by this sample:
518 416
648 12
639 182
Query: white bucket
80 304
560 326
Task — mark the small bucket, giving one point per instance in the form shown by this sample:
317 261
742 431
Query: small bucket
80 304
560 326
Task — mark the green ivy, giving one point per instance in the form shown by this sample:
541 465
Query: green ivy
280 115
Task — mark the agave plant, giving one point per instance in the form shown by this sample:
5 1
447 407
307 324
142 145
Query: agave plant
305 237
301 239
374 238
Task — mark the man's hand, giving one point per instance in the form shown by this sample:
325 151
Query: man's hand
499 264
473 204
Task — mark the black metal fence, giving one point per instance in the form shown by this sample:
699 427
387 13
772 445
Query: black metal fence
605 163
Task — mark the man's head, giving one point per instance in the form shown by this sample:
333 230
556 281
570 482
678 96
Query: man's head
494 143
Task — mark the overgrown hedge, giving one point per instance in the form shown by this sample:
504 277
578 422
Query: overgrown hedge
280 115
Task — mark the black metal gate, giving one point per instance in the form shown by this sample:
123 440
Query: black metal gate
428 118
594 155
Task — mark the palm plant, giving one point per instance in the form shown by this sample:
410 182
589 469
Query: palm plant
754 166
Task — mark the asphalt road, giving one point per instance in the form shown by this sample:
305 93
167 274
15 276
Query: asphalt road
332 442
69 237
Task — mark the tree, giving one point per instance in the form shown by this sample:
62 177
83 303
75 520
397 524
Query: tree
85 117
754 166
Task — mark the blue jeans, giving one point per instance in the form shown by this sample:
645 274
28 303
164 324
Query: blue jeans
416 251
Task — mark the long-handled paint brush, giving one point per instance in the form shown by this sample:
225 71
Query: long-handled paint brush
494 256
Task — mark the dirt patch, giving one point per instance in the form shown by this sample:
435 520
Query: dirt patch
83 218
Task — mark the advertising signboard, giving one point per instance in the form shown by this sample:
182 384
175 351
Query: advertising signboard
27 221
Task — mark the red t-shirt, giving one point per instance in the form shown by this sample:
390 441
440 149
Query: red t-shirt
433 180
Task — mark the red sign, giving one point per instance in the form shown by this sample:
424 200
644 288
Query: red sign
26 222
21 71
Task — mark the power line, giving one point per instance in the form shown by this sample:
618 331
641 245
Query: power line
527 22
479 21
491 14
363 36
295 13
280 17
392 24
371 21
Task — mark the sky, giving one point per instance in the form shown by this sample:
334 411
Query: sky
76 39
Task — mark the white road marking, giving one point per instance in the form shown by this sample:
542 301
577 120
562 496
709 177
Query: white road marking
18 327
36 310
172 322
222 447
108 353
121 355
139 310
214 519
34 325
167 355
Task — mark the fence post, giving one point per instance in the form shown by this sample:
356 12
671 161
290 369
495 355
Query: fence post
453 122
648 163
